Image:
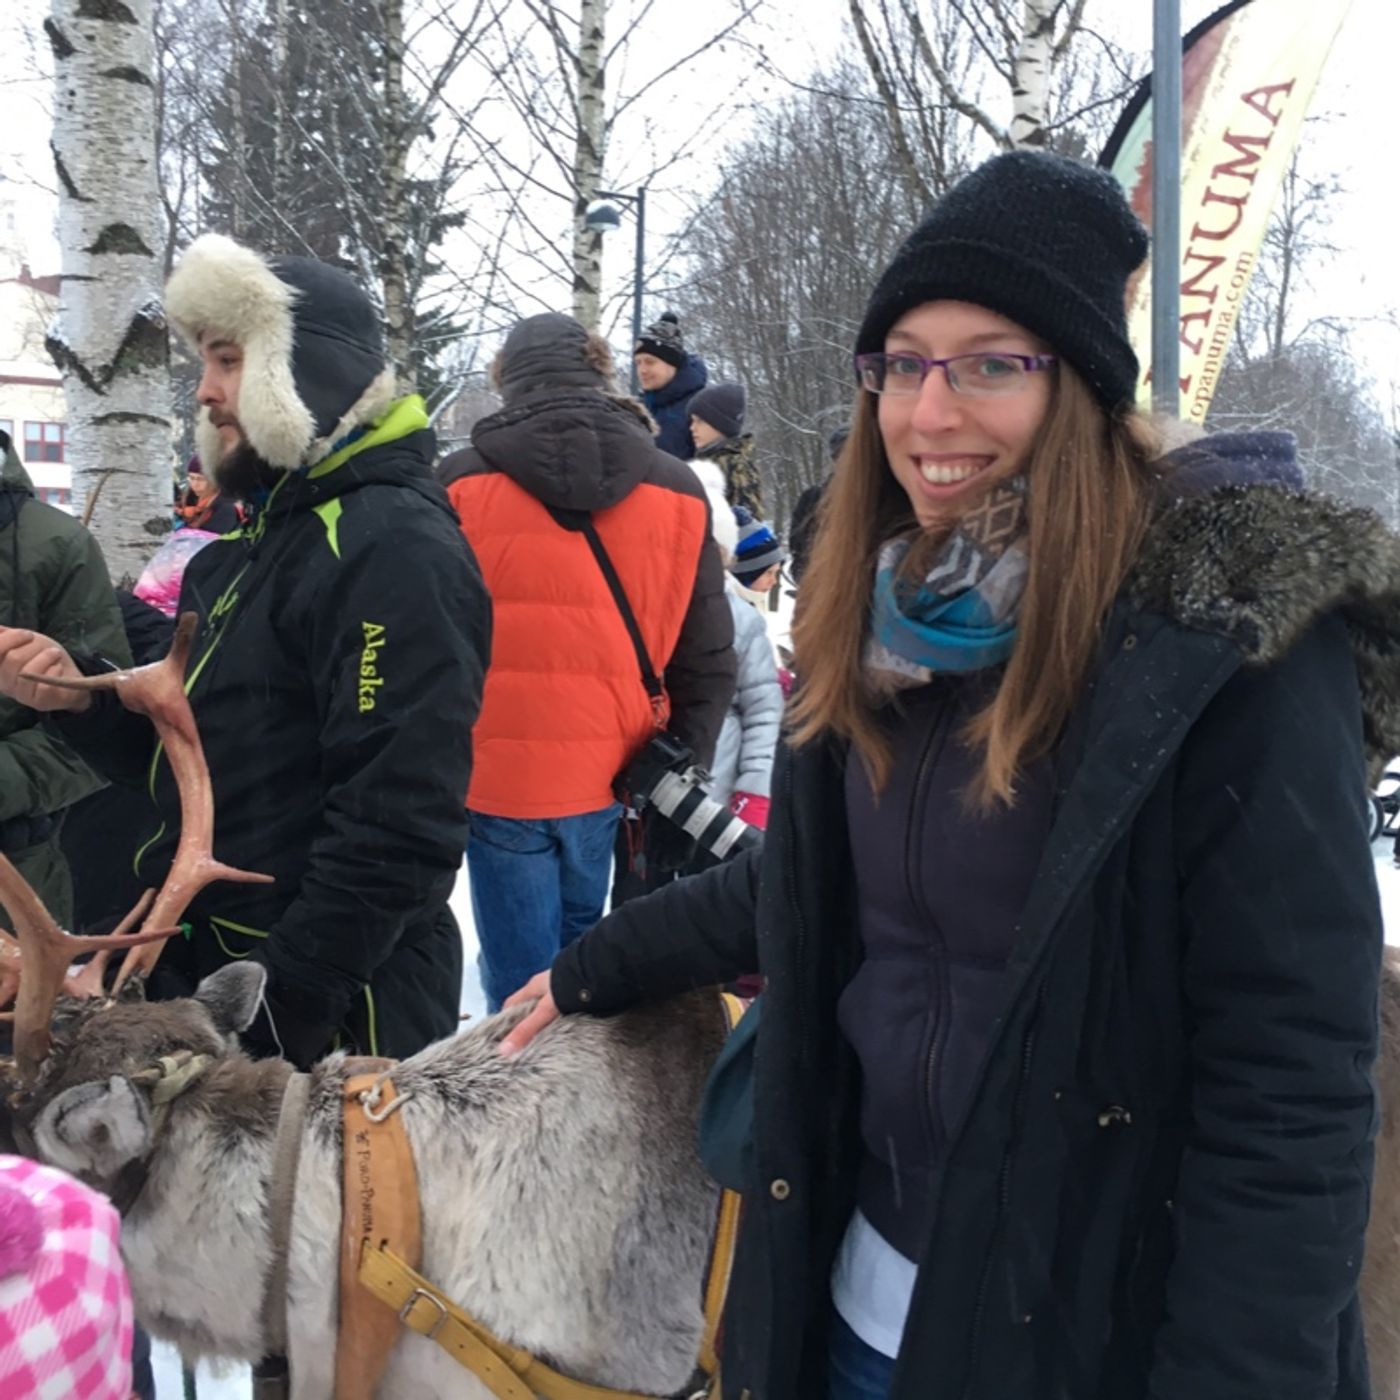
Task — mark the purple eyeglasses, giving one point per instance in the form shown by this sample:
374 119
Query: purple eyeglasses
986 374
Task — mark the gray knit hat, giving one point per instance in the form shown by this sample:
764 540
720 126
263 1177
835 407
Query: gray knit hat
722 407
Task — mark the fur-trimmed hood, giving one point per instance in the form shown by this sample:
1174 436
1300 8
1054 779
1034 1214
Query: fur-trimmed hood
1259 560
313 351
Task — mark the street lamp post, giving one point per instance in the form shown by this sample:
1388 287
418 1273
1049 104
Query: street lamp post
1166 207
604 217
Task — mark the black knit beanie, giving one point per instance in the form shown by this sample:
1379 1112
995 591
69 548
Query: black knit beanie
1041 239
663 339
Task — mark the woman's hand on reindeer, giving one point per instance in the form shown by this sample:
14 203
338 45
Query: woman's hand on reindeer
544 1012
25 653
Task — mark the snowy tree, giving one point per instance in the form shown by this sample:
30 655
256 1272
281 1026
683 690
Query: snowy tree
781 264
953 75
335 134
110 341
579 94
291 127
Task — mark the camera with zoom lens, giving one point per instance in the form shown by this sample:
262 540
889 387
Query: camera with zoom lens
665 776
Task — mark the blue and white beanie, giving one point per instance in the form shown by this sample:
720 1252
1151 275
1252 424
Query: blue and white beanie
758 548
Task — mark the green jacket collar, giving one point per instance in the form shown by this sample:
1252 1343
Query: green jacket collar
405 416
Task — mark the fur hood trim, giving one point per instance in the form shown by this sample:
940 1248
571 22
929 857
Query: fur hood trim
222 290
723 527
1260 564
378 397
637 409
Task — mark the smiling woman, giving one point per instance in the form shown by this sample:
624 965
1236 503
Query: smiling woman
1044 1105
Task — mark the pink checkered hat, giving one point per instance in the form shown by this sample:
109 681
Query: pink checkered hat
65 1305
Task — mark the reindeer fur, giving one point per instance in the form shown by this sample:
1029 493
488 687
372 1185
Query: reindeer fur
563 1203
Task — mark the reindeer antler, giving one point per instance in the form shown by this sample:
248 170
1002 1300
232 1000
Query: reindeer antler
45 954
157 691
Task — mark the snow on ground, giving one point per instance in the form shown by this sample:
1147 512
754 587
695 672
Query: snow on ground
238 1387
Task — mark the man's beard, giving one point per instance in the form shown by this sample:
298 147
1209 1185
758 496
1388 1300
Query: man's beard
241 473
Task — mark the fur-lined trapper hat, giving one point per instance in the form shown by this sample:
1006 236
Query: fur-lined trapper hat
313 347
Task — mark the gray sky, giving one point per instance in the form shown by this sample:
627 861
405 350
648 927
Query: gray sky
1362 283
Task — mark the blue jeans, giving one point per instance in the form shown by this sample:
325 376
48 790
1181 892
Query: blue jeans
536 885
858 1371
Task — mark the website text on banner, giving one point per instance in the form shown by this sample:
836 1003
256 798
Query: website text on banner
1248 76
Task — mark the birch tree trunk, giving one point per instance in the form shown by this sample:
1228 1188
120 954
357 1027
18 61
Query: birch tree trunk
1031 72
109 341
280 135
393 268
589 151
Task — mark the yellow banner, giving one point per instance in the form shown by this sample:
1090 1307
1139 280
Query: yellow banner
1248 75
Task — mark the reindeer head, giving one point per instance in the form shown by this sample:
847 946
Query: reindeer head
96 1106
79 1059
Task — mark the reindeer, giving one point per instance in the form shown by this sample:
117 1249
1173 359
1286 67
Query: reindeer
562 1200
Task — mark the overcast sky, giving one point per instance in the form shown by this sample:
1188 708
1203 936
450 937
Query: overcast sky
1357 142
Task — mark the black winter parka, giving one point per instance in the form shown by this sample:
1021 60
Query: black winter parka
1159 1189
344 636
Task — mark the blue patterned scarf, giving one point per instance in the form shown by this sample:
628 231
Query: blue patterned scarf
961 616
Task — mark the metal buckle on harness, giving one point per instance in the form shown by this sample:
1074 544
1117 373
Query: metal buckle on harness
443 1313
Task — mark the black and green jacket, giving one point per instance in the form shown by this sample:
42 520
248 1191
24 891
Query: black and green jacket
52 580
335 681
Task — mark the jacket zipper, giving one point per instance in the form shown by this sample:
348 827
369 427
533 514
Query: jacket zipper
225 606
790 874
1003 1200
933 748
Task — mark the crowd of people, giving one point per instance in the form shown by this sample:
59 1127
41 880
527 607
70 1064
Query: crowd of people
1061 1077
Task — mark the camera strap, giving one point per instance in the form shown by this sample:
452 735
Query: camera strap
581 522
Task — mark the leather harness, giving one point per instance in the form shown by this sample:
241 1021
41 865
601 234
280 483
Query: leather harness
381 1289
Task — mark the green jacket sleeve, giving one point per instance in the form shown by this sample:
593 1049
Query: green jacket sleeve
66 594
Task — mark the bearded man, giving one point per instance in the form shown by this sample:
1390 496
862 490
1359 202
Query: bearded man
337 672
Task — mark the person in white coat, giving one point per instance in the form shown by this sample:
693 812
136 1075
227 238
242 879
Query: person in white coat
743 761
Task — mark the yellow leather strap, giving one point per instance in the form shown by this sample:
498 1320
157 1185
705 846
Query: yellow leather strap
717 1283
508 1372
379 1207
726 1239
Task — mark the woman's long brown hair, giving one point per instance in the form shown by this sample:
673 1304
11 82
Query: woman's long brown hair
1090 492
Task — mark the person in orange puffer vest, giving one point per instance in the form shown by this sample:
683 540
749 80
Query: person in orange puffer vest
565 708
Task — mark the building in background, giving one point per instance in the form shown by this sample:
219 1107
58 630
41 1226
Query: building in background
31 390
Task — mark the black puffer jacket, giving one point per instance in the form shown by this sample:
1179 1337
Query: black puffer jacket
335 679
1160 1182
